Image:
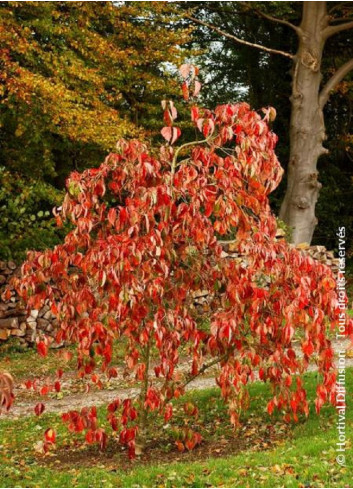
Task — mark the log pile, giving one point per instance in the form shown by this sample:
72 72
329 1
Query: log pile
321 254
202 298
13 316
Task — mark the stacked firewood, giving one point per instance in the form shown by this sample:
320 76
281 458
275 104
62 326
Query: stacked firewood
321 254
202 298
13 315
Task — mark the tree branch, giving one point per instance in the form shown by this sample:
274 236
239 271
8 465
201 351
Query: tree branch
338 6
238 40
186 145
341 19
204 368
275 19
334 81
331 30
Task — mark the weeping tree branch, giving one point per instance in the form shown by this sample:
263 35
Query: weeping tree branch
331 30
238 40
333 82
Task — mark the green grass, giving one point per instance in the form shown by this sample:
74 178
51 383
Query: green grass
24 362
305 457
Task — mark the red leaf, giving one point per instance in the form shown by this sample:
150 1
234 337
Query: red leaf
185 90
168 118
180 446
168 412
208 128
308 348
131 449
101 438
197 88
50 435
185 70
39 408
8 294
171 134
270 407
54 309
42 349
112 216
6 391
44 390
190 444
167 133
194 113
173 111
112 373
199 124
90 436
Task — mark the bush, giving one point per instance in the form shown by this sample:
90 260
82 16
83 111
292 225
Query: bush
145 240
26 220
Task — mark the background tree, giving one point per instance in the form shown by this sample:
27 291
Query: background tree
77 76
252 26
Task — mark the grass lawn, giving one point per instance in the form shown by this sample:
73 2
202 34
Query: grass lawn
25 363
264 452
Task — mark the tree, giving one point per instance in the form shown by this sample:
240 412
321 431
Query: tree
308 99
146 234
76 77
92 57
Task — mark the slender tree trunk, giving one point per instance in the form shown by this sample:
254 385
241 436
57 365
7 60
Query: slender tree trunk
143 394
307 128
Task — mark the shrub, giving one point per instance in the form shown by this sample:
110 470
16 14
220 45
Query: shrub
145 239
25 218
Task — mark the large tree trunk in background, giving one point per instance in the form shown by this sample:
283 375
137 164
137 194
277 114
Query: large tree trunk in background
307 129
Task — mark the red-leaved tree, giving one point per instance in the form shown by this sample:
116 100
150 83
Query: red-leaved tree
145 237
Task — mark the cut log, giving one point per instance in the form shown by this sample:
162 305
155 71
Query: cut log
9 323
4 334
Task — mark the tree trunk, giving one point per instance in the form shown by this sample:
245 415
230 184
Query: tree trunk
141 441
307 128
